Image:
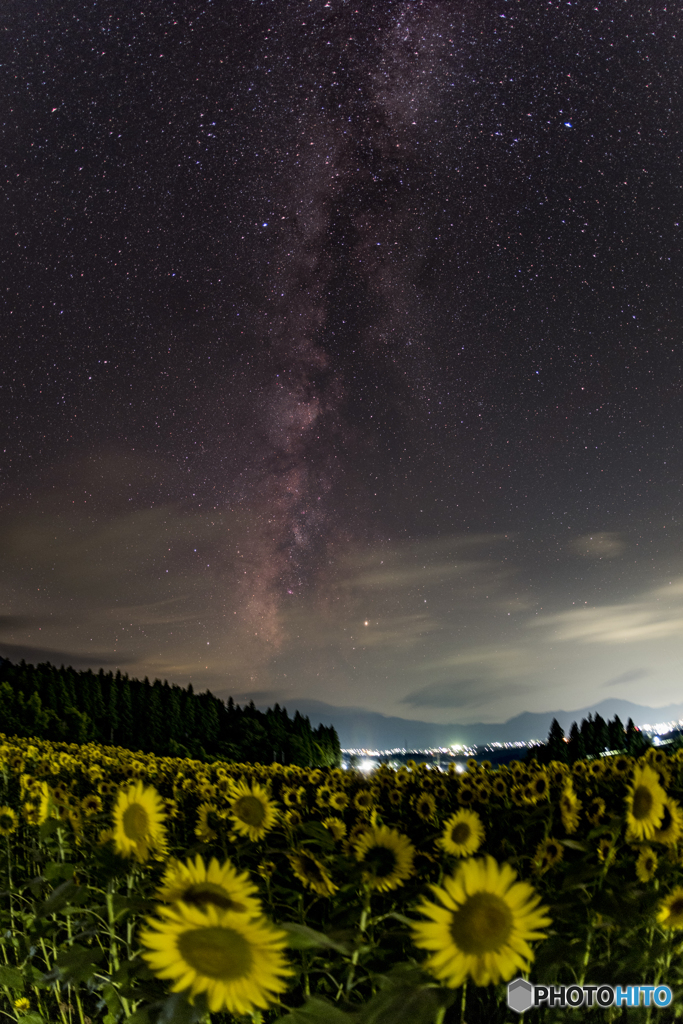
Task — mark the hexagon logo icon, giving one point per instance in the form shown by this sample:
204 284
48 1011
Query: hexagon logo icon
520 995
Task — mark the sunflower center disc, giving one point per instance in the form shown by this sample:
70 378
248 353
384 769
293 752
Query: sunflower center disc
311 869
461 833
676 911
250 810
642 802
381 861
201 893
216 952
482 924
135 823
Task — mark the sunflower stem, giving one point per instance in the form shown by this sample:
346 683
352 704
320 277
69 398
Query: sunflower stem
463 1002
113 954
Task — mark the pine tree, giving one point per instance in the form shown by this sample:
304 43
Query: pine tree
575 748
617 734
124 733
587 734
556 746
600 734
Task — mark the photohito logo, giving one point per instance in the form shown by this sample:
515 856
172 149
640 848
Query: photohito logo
522 995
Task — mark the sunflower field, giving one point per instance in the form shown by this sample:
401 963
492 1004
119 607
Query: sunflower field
156 890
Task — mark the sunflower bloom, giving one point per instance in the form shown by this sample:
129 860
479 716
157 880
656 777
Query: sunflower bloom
339 801
138 822
425 806
217 885
252 811
207 822
671 825
312 873
336 826
570 808
463 834
670 913
644 803
483 926
386 856
235 960
9 821
646 865
48 806
548 853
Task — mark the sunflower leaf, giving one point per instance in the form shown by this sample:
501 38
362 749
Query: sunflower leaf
302 937
318 1011
55 870
11 978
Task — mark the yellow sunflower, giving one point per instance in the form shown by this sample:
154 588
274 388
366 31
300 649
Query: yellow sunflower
646 865
138 822
595 811
208 817
606 848
670 913
311 872
570 808
483 926
386 856
322 796
671 825
218 885
363 801
91 804
644 803
548 853
425 806
466 794
336 826
463 834
499 786
31 812
339 801
9 821
237 961
395 797
292 818
252 810
540 786
48 807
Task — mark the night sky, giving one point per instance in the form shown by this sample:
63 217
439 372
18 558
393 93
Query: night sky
342 349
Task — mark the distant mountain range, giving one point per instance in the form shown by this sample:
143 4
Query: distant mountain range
359 728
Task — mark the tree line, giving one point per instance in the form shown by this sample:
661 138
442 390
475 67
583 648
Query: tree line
593 737
63 704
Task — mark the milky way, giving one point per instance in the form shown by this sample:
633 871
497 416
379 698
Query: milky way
297 298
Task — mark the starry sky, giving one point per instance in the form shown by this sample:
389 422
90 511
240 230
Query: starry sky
342 349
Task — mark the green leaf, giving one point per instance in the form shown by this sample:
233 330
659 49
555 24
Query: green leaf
141 1016
55 870
59 898
111 998
78 963
12 978
177 1010
302 937
48 828
398 1004
573 844
318 1011
31 1018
